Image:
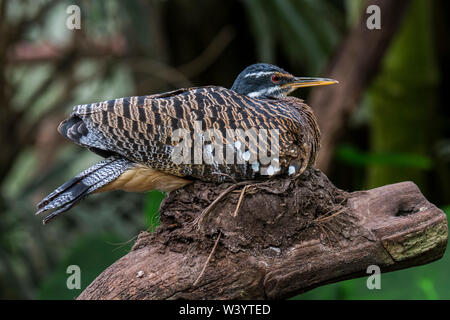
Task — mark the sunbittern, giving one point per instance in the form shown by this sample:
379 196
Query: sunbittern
135 135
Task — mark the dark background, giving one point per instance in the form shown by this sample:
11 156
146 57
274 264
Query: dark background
399 129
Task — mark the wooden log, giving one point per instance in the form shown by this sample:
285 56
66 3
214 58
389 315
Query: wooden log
288 236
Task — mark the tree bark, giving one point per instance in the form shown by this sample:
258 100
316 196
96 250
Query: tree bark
273 240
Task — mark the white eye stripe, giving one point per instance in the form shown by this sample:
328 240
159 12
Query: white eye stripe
258 74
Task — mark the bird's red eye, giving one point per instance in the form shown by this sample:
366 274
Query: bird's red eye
275 79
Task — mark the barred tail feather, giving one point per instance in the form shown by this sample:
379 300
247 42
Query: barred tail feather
79 187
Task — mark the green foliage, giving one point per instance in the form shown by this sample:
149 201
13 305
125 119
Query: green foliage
296 27
93 254
446 209
151 212
353 156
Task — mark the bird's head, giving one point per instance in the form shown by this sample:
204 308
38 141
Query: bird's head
263 80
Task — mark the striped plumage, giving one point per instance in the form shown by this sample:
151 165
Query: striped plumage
135 136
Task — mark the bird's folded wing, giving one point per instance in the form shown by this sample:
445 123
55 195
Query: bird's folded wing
141 129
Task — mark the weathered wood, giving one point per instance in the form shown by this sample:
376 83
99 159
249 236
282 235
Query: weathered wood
289 236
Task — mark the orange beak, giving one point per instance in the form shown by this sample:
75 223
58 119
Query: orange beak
301 82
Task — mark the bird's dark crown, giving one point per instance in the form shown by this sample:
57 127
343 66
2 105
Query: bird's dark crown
262 80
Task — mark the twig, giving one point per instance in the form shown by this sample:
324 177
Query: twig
241 197
197 221
226 175
207 260
322 219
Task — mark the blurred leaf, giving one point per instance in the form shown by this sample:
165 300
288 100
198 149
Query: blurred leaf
327 29
351 155
427 285
19 175
93 254
446 209
300 32
306 30
151 213
262 30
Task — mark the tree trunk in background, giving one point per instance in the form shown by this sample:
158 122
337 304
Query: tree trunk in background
355 65
403 100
